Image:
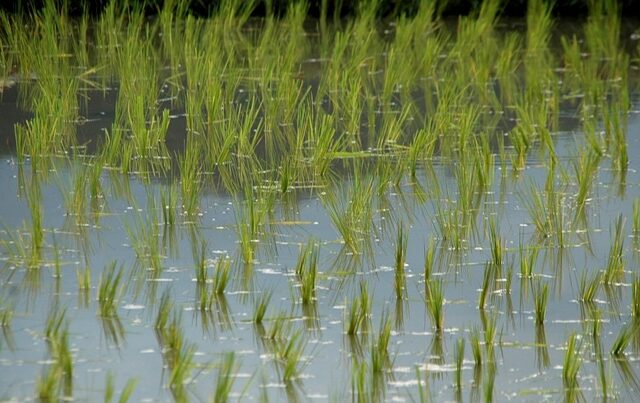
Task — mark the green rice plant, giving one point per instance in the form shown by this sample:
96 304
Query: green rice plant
306 271
169 202
222 275
400 258
225 378
165 307
200 260
280 328
540 298
636 217
190 169
55 323
497 246
435 304
289 354
48 384
429 260
490 331
458 355
491 273
424 393
261 306
476 351
61 353
586 170
588 287
109 290
359 312
528 260
622 341
571 368
614 271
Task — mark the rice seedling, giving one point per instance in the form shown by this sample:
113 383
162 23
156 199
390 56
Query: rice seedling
261 306
48 384
571 368
400 258
540 298
289 354
429 260
225 378
359 312
222 275
306 271
589 286
489 382
528 260
435 304
200 261
614 271
491 273
6 315
475 347
109 290
380 360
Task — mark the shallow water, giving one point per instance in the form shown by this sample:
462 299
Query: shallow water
528 358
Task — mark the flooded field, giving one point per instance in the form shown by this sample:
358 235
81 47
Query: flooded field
230 208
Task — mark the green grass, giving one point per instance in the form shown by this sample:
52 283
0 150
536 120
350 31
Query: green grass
400 258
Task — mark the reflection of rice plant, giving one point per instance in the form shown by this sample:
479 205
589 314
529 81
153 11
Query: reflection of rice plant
225 379
571 367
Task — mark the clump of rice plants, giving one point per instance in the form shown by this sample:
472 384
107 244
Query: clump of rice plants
400 257
306 270
260 308
540 298
614 271
435 304
359 312
225 378
109 290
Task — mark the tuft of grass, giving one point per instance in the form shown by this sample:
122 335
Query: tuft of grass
435 304
589 286
222 275
260 309
540 298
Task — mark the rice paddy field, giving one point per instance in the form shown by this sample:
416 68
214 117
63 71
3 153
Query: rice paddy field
410 208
